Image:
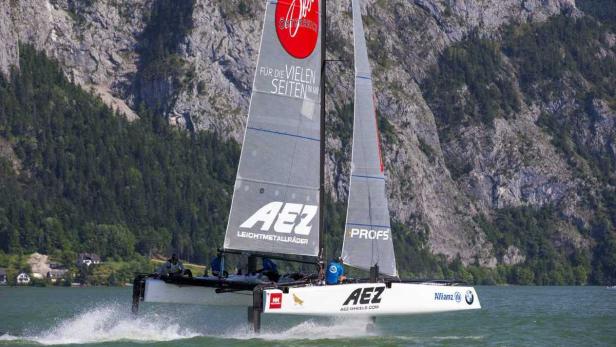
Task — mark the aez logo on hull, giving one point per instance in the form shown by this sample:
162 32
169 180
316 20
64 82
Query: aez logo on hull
363 299
288 218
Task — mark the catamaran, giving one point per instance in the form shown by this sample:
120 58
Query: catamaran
277 205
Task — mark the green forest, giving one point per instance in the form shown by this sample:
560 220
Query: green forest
88 180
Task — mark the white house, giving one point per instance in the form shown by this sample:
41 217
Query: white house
23 279
88 259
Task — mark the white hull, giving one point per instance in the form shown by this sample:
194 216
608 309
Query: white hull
158 291
370 299
359 299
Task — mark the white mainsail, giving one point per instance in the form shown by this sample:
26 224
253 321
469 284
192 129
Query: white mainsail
276 199
367 237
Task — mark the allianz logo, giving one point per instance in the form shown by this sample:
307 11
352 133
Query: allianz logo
457 297
285 218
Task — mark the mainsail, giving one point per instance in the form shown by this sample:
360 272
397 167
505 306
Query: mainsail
276 199
367 236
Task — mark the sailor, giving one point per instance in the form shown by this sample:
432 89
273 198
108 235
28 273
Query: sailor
242 265
335 272
269 265
270 269
215 265
172 267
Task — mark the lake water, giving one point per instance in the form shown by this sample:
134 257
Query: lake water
511 316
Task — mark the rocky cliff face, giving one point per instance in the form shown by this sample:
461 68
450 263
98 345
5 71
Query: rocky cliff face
511 163
94 40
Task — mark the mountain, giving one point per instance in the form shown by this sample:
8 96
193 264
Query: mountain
497 120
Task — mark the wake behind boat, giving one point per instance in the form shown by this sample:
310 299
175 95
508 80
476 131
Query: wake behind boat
277 206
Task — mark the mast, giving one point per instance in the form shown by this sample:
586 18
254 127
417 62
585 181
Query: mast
322 159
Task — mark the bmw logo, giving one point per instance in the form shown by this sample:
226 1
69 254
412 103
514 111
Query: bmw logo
458 297
469 297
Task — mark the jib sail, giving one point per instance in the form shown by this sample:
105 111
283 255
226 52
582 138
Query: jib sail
275 206
367 236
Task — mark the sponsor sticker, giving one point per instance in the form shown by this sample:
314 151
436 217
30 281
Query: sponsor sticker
297 26
297 300
469 297
444 297
275 301
458 297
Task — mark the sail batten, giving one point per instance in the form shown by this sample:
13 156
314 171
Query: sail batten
276 197
367 238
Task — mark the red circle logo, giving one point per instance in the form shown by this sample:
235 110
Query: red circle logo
297 26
